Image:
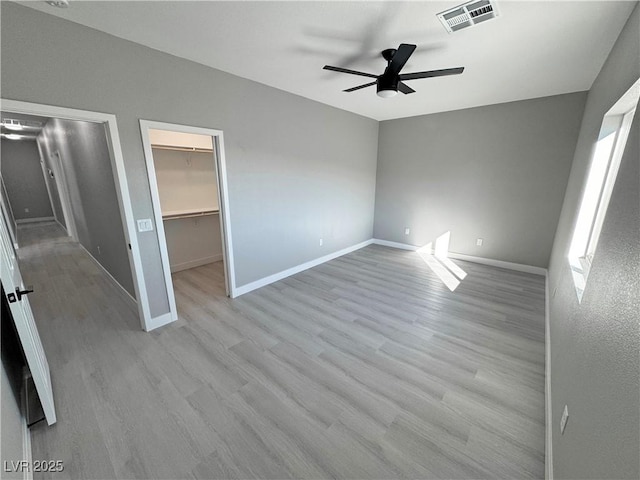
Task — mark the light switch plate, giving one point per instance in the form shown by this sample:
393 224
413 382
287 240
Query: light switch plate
407 231
145 225
479 242
563 420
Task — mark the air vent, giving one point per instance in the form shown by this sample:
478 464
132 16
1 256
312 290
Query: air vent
468 14
12 124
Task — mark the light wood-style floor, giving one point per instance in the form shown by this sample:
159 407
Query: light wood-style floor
363 367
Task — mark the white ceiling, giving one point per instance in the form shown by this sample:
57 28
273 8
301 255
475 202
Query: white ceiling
533 49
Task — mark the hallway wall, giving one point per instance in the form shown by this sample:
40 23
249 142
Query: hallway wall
84 152
24 180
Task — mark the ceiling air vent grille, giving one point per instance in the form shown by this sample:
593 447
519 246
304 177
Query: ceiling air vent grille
468 14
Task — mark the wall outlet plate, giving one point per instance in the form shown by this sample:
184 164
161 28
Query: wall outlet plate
407 230
563 420
479 242
321 242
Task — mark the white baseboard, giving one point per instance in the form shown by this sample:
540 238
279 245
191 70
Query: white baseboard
26 449
470 258
35 220
160 321
548 450
519 267
61 224
402 246
26 436
195 263
297 269
128 296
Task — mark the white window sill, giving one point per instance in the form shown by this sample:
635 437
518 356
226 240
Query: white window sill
580 267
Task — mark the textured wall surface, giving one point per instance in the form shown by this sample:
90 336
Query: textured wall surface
297 170
86 161
595 345
497 172
23 178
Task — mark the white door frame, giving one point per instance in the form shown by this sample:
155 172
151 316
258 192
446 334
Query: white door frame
119 174
7 211
60 177
223 202
45 174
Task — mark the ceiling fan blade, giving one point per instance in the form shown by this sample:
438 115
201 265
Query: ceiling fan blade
353 89
404 88
400 57
432 73
352 72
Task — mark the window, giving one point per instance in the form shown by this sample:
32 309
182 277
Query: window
599 185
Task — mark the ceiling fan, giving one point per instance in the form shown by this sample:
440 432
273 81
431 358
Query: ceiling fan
392 80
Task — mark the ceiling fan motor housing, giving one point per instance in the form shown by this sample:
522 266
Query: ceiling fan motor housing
387 82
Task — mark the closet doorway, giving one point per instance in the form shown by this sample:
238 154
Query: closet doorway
187 176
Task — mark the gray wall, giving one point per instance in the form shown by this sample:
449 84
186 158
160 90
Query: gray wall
11 442
496 172
87 167
595 364
297 169
53 190
24 180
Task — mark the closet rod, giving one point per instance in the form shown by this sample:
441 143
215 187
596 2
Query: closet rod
190 215
183 149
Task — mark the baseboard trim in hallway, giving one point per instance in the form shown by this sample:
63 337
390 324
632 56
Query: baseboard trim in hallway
26 221
127 295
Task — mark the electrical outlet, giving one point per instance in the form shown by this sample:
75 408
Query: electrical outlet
479 242
563 420
99 252
407 230
145 225
26 210
321 242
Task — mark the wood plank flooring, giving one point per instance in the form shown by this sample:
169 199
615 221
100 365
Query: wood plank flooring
363 367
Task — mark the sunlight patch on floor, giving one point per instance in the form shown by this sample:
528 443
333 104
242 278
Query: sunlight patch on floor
439 263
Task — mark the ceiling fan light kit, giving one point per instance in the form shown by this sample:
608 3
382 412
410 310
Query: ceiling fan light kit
391 81
387 85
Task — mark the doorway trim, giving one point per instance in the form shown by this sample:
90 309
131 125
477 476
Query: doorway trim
60 177
223 202
119 174
45 174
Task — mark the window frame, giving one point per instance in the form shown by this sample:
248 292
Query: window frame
583 246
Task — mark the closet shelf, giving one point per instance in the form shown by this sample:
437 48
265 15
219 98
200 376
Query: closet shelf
188 214
182 149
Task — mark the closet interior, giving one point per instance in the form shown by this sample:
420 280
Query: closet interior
185 168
